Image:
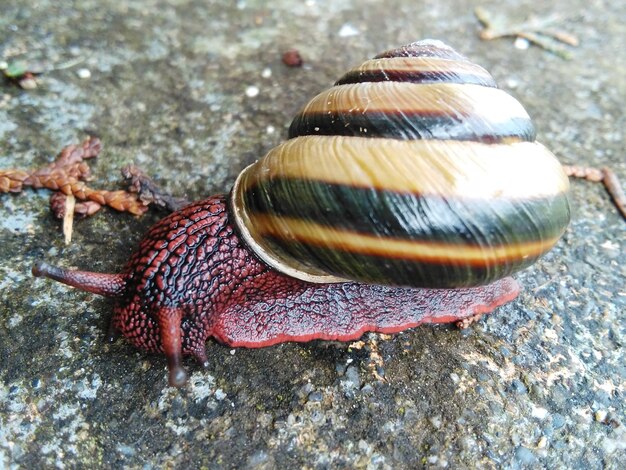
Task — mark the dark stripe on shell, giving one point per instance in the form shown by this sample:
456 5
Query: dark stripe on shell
389 214
394 271
358 76
409 126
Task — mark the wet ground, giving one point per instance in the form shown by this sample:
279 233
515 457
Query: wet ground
193 91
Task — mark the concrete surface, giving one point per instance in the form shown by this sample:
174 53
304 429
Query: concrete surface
173 87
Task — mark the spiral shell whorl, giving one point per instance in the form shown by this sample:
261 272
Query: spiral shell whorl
414 169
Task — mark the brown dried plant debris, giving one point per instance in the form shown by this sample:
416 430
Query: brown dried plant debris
607 177
148 192
543 32
67 175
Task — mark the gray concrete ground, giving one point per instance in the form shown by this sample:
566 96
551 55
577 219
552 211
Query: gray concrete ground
193 91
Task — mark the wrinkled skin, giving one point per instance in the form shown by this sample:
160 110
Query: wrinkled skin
191 278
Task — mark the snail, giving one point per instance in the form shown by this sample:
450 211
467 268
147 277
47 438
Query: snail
407 193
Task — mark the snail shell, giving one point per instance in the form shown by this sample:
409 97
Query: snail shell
413 170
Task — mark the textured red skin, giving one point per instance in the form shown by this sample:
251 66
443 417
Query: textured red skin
191 278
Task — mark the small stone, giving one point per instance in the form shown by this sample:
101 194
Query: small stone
539 412
266 73
521 44
4 99
317 417
364 446
517 386
315 397
435 421
28 83
600 416
512 83
348 30
558 421
252 91
353 380
258 458
482 377
543 442
83 73
524 456
292 58
305 390
126 450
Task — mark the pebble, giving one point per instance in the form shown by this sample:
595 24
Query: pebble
352 378
317 417
292 58
517 386
435 421
600 416
543 442
524 456
539 412
512 83
305 390
348 30
521 44
558 421
83 73
126 450
28 83
252 91
258 458
482 377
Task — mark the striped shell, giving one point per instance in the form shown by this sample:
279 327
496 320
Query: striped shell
413 170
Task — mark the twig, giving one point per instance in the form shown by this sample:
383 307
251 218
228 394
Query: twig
539 31
148 192
68 218
66 175
605 176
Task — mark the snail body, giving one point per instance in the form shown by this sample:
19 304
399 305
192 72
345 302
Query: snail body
406 193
